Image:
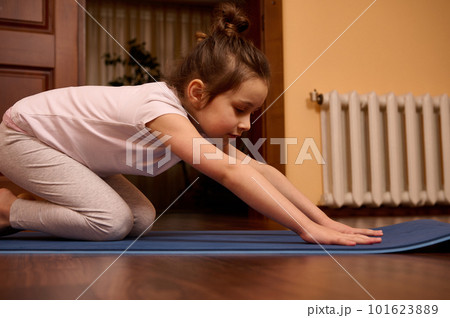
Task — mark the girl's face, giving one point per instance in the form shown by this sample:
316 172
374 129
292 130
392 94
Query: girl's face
228 115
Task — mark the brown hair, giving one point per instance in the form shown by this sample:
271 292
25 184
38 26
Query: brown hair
224 59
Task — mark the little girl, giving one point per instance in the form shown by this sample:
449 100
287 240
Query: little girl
70 146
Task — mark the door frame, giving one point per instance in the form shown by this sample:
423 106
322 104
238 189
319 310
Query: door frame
267 34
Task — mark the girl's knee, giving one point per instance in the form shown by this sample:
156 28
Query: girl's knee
121 227
117 226
143 222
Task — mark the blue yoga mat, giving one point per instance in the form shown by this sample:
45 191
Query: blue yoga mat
407 236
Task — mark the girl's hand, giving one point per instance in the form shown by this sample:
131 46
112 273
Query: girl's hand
316 233
331 224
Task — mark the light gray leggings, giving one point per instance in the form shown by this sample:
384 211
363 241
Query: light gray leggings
80 204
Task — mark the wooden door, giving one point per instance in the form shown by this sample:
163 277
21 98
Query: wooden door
41 47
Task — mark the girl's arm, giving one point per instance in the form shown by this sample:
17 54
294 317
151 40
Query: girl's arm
245 181
280 182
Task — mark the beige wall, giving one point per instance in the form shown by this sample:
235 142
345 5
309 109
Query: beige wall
397 45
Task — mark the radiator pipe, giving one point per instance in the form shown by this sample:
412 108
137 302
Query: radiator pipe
316 97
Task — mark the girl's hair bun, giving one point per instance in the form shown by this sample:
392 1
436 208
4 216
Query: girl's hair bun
229 20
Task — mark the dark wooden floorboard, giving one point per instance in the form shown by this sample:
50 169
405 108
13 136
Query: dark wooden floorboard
386 276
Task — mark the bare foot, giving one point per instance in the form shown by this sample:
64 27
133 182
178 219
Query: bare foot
7 198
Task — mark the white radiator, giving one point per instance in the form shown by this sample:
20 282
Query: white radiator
385 149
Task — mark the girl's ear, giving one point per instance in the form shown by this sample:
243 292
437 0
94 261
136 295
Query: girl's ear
195 93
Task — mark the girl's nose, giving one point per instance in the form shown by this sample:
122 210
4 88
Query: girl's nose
244 123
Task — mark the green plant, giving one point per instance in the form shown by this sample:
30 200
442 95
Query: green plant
142 68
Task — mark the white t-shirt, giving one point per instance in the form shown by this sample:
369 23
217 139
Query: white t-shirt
101 127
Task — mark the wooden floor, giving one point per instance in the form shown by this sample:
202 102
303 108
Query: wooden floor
388 276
